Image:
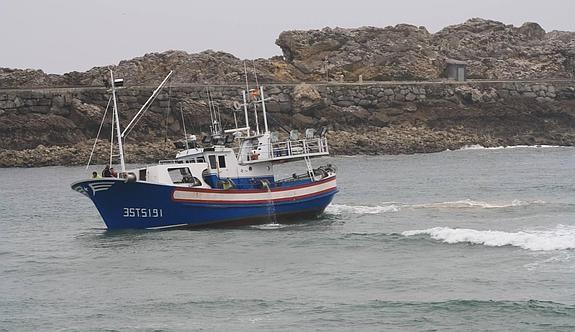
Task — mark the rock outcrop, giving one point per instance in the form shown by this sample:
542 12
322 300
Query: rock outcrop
492 49
402 52
208 67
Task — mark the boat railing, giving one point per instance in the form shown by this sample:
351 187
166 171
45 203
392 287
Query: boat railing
290 149
299 148
176 161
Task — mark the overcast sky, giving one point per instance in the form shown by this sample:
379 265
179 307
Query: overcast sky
65 35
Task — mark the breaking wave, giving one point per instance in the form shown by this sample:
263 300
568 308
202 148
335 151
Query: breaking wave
481 147
562 237
468 203
269 226
338 209
360 209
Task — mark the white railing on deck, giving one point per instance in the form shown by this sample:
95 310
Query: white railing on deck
290 149
299 148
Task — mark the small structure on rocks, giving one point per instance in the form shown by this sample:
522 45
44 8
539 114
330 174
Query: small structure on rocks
456 70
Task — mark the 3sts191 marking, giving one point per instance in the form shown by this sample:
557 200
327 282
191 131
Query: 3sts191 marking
142 213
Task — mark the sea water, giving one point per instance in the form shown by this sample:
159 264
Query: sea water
478 239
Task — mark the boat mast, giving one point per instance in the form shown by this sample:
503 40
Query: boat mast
264 110
184 125
246 113
246 100
118 131
256 117
255 96
111 141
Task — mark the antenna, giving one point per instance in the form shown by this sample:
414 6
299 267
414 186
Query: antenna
256 93
246 76
244 95
246 111
219 115
235 118
166 120
264 109
99 130
184 125
210 109
255 74
169 108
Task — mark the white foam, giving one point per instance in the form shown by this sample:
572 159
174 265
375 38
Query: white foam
561 258
338 209
269 226
559 238
481 147
468 203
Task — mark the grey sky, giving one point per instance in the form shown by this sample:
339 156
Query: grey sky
65 35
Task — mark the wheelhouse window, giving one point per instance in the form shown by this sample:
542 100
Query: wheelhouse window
180 175
212 159
222 161
201 160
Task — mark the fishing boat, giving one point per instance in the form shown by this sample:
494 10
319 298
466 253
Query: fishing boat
225 179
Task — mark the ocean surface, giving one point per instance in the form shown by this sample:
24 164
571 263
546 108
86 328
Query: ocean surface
469 240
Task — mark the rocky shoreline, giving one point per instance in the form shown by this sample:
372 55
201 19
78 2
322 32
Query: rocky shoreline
368 141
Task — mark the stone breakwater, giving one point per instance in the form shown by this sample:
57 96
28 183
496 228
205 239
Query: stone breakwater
55 126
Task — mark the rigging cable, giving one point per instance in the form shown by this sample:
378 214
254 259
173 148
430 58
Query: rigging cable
99 130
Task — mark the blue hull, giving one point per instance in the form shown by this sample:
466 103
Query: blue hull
142 205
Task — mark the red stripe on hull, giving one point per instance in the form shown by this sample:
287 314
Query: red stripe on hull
286 199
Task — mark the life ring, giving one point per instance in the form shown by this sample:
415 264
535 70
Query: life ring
237 105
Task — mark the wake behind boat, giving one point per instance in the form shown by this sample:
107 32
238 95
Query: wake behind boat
228 181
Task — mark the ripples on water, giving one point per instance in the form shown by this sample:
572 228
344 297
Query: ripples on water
479 239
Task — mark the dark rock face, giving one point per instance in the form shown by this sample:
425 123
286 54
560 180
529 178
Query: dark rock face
52 127
15 78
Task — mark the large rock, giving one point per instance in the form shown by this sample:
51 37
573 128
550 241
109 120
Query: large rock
401 52
208 67
494 50
306 98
